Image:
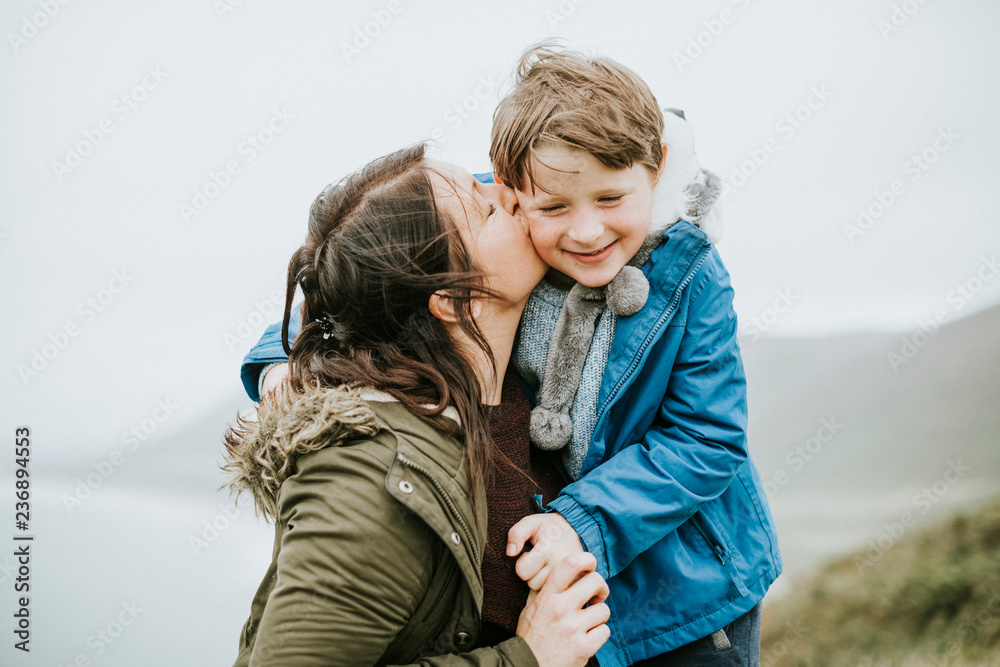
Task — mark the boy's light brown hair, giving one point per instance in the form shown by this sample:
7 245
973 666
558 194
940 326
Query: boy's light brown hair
563 97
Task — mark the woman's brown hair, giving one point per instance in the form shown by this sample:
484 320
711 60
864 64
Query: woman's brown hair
377 248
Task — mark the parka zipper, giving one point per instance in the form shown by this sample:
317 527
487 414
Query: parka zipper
442 590
451 504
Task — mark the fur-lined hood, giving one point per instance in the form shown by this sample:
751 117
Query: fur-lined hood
685 191
261 452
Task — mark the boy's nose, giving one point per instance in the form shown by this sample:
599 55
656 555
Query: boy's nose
586 229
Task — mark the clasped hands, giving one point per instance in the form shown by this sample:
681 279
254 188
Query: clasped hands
565 619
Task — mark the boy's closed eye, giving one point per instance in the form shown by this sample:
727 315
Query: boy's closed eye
607 199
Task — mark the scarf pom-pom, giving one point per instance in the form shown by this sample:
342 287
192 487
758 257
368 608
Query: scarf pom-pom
627 293
549 429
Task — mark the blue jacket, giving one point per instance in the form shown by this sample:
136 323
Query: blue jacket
668 499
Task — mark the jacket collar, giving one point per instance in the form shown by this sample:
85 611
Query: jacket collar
668 269
427 475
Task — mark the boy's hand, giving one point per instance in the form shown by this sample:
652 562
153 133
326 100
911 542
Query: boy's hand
552 539
274 379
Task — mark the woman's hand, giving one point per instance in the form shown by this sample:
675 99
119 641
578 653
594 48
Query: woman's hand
556 625
552 539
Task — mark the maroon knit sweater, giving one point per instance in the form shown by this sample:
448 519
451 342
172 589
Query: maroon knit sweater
508 500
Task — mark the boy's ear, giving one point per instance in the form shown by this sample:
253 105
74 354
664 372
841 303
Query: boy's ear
442 306
663 162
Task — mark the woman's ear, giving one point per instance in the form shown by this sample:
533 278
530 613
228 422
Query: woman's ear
442 306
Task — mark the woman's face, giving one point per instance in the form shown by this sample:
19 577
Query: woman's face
493 230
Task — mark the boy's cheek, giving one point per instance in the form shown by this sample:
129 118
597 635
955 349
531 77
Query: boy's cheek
535 228
522 217
542 239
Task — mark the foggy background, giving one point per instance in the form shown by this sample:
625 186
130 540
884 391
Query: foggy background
159 160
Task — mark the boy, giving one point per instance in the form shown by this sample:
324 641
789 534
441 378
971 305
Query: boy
665 494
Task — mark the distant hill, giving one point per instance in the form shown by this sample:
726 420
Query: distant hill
895 434
928 598
846 442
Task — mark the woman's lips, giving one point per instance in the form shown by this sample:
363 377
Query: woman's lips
595 258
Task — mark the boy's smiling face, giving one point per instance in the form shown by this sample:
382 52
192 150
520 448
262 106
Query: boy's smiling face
585 219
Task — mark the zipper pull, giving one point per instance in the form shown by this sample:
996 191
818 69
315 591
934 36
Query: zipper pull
730 566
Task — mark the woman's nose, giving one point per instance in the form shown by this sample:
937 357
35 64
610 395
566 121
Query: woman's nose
505 197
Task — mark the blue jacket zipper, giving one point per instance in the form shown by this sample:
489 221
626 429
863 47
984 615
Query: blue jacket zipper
634 364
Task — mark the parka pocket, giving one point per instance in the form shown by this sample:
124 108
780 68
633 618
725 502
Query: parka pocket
701 523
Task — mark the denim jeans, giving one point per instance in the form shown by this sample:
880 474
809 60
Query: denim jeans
743 634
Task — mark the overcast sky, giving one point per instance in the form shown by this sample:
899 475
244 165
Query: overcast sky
159 160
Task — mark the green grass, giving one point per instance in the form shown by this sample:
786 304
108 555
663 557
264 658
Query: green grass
927 597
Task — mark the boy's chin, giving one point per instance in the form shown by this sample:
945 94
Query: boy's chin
592 278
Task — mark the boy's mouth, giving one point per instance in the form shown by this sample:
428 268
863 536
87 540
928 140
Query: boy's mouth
595 257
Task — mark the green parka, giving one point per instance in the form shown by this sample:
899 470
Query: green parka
377 548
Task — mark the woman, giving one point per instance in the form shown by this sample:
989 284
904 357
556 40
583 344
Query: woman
373 461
